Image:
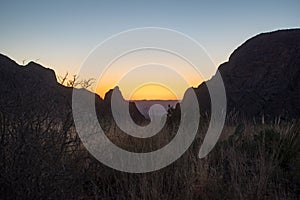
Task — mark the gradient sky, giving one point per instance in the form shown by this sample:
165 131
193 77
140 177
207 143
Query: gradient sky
60 34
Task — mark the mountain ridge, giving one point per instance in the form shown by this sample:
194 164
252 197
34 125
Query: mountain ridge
34 87
261 77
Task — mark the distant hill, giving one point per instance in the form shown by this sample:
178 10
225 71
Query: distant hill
262 77
144 105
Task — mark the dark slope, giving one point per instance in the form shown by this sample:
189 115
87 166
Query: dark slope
34 89
262 77
135 114
31 88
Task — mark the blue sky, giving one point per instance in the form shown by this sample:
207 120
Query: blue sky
62 33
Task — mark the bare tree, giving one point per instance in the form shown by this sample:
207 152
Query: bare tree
75 82
87 83
63 79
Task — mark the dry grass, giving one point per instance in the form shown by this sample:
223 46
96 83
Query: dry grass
251 161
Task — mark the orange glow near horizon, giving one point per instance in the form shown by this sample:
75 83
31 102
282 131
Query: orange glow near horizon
148 91
153 92
132 89
149 75
138 86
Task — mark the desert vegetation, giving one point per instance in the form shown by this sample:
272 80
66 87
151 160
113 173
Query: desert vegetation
43 158
75 81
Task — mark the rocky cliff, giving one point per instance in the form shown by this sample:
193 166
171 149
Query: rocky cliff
262 77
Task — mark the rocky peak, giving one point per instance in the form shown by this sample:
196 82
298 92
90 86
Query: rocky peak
41 73
262 76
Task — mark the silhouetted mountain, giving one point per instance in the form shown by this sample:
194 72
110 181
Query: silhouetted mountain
262 77
136 115
33 88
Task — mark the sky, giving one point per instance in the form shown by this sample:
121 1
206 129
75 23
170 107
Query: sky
61 34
